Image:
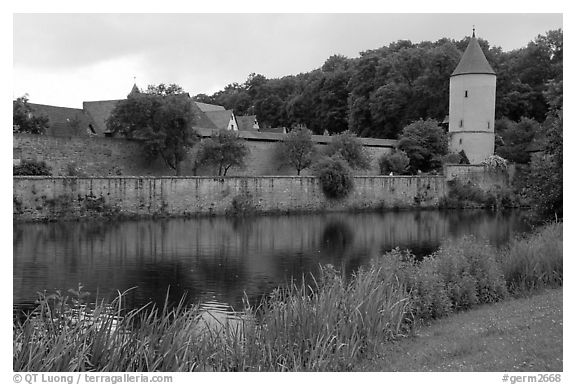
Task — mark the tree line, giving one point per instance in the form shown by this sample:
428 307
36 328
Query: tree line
385 89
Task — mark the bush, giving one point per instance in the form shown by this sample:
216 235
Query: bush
335 177
469 195
470 267
32 168
396 162
72 169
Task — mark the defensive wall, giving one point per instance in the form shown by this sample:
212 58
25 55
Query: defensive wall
61 198
102 156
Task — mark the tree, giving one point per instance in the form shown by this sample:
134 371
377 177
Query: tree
546 170
23 120
223 150
396 162
349 147
425 142
161 119
515 138
297 149
164 90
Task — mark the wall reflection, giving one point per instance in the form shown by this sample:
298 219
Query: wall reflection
216 260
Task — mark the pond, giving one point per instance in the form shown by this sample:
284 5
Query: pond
214 261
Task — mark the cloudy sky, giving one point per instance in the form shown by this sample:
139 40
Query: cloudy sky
64 59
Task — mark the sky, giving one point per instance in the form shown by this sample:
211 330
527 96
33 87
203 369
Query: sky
65 59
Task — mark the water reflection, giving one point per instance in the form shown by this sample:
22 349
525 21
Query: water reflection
217 260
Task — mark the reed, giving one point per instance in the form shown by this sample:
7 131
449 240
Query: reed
534 262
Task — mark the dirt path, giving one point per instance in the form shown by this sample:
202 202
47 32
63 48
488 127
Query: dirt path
511 336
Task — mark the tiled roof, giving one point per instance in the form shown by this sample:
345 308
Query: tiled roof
319 139
276 130
99 112
205 107
473 61
220 118
201 120
62 121
246 123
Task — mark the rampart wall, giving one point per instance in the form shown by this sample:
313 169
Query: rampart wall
61 198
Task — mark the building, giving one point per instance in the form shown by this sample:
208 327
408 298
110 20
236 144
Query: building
248 123
472 105
91 119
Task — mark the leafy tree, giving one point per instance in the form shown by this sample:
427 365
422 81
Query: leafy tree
164 90
297 149
223 150
515 138
349 147
162 119
546 170
23 120
396 162
425 142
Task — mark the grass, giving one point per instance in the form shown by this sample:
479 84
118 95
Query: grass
330 324
523 334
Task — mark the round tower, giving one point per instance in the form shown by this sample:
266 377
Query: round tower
472 103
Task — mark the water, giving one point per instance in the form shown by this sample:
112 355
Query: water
214 261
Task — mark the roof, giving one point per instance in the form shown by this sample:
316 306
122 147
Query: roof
473 60
220 118
134 90
62 121
319 139
246 123
99 112
276 130
205 107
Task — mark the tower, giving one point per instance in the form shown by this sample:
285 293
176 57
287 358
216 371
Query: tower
472 104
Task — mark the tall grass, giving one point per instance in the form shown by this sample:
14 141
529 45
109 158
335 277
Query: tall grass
534 262
329 324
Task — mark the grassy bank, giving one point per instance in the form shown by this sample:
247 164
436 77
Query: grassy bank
332 324
523 334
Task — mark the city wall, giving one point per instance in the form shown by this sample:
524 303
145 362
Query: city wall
64 198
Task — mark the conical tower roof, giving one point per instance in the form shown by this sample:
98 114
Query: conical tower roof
134 90
473 61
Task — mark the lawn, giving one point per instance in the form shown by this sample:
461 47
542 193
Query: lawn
511 336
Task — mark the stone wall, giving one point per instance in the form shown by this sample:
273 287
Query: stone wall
60 198
477 174
98 156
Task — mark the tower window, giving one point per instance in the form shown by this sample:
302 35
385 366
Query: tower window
460 140
488 125
461 123
466 93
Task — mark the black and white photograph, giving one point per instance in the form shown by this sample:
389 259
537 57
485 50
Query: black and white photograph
287 192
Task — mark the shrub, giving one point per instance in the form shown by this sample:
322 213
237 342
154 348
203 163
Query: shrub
72 169
468 261
335 177
495 163
31 168
396 162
